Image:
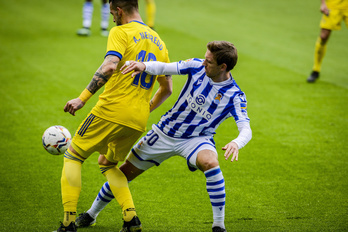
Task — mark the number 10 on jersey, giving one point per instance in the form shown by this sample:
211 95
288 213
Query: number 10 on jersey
145 80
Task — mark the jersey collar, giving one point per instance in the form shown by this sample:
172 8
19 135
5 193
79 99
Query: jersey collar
137 22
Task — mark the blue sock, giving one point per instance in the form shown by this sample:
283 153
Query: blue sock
104 197
216 190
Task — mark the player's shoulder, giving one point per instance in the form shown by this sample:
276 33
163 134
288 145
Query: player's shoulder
239 96
193 62
233 90
117 32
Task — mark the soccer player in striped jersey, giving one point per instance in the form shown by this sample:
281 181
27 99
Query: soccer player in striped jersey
209 96
119 118
87 15
334 12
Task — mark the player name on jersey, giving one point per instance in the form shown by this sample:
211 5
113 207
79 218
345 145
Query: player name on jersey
146 35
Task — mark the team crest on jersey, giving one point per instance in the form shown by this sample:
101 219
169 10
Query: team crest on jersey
140 143
218 98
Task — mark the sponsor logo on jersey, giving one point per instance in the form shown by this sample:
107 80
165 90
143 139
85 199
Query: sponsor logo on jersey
196 103
242 98
188 60
200 100
199 82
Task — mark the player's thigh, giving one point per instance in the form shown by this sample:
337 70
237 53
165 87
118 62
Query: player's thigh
332 21
120 142
151 150
190 148
345 17
91 136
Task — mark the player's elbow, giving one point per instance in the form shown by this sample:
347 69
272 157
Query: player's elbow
110 69
169 90
249 134
167 86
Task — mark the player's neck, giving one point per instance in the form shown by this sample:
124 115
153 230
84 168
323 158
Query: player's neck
223 77
133 17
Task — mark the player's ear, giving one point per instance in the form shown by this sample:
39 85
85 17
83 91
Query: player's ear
223 67
119 11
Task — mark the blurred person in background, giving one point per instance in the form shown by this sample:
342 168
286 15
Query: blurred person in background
334 12
87 15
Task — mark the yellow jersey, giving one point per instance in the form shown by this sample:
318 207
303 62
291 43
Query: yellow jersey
337 4
125 99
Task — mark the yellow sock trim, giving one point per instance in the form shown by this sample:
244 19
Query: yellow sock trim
319 53
69 217
119 187
128 214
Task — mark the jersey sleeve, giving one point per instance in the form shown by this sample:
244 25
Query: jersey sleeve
117 42
160 68
186 66
166 60
245 134
239 111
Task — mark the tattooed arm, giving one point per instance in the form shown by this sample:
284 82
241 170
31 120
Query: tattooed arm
101 76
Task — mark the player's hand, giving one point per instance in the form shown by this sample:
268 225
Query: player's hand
129 66
73 105
324 9
231 149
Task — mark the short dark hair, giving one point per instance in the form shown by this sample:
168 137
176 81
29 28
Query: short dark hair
224 52
127 5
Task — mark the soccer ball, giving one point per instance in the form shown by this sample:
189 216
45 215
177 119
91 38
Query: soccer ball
56 140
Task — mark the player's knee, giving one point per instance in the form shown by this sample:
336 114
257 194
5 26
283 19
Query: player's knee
71 155
324 35
103 161
206 164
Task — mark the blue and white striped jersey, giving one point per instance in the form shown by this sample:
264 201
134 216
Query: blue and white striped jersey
202 104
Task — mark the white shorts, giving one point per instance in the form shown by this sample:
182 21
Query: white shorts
155 147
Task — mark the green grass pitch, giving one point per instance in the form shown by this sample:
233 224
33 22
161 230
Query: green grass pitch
292 176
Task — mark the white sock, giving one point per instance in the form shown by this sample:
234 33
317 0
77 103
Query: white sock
104 197
87 14
105 13
216 190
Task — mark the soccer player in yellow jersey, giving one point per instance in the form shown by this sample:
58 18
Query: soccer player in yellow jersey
334 12
120 116
150 13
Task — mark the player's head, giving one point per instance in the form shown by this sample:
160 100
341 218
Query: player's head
224 53
120 7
